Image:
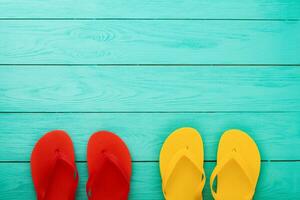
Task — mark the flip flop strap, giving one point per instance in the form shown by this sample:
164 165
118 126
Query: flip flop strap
238 159
61 157
104 157
183 153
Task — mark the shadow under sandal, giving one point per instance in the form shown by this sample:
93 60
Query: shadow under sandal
109 166
181 165
238 167
53 168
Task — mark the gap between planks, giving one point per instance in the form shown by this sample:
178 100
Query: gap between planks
151 65
143 19
141 112
151 161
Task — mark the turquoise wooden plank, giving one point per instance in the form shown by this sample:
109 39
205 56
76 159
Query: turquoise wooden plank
277 181
153 89
249 9
277 134
149 42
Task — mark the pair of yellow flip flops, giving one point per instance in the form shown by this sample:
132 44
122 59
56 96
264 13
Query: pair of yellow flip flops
182 172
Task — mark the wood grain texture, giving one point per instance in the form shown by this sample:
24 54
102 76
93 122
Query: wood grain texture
247 9
277 134
277 181
149 89
146 86
149 42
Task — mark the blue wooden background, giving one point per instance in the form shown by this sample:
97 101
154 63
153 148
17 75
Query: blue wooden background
143 69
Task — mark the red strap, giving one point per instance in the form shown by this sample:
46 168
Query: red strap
105 157
61 157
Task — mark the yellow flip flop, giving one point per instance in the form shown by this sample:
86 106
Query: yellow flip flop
181 165
238 167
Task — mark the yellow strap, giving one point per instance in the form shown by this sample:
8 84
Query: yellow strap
238 159
183 153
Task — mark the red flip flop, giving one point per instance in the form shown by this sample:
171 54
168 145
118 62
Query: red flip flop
53 168
109 166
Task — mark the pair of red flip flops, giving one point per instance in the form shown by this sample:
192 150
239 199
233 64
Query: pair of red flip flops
55 175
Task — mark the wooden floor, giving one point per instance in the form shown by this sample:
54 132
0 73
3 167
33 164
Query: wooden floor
144 68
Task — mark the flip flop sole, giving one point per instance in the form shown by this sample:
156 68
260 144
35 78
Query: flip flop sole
42 163
185 181
231 180
105 141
